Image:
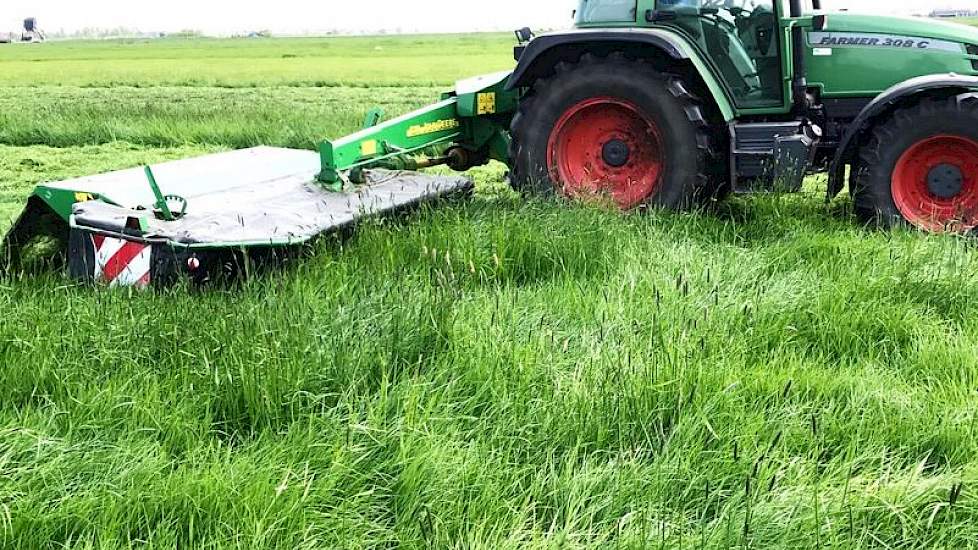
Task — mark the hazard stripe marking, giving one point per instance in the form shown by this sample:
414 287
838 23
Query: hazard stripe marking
105 253
136 272
119 262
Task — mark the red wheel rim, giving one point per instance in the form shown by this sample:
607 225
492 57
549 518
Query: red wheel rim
935 184
606 147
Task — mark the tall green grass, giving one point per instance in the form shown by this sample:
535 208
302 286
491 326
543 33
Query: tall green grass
499 373
510 374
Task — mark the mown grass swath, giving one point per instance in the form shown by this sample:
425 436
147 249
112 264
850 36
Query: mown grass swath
498 373
297 117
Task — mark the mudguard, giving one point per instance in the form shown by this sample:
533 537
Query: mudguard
539 56
847 149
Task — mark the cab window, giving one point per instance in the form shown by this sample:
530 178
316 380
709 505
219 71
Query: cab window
741 39
607 11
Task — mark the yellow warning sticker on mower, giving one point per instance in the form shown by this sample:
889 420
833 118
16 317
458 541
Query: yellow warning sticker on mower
486 103
432 127
84 197
368 148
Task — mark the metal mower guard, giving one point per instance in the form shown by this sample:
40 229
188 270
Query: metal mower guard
253 202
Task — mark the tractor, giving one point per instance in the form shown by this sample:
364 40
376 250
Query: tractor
644 103
673 102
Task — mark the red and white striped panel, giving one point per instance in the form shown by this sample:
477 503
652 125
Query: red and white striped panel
119 262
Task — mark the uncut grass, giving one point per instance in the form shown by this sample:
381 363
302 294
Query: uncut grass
509 374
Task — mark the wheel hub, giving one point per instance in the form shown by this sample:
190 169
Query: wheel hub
935 183
945 180
615 153
606 147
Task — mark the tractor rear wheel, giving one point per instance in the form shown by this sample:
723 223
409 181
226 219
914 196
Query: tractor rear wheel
615 128
921 168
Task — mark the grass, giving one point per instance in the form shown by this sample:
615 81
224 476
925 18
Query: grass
498 373
298 117
318 62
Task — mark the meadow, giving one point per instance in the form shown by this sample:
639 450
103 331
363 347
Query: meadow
499 373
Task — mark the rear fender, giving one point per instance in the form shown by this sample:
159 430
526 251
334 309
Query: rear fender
945 85
541 56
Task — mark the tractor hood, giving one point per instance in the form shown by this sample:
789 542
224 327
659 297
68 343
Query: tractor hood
903 26
860 56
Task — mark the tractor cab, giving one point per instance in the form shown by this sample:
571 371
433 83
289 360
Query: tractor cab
739 38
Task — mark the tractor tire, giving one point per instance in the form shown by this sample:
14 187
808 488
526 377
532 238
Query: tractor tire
612 127
920 168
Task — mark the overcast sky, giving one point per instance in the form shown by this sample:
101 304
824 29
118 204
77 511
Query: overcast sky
300 16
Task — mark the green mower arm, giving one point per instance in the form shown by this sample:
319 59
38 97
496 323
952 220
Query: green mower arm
467 128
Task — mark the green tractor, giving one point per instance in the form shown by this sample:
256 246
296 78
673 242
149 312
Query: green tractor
661 103
672 103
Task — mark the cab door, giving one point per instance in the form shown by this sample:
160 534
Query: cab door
740 39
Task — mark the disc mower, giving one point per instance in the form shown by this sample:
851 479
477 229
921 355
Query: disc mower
645 103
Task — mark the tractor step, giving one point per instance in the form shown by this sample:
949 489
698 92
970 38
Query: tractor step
770 156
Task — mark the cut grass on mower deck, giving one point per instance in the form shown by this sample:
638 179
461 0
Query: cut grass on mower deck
495 374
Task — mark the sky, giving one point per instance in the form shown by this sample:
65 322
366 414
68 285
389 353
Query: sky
312 16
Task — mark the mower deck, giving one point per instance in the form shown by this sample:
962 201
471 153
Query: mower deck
252 197
258 200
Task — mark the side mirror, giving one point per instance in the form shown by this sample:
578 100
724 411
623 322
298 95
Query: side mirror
524 35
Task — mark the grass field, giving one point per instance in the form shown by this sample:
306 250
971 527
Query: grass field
495 374
246 63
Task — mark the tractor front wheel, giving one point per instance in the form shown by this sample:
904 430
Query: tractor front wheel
612 128
921 168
